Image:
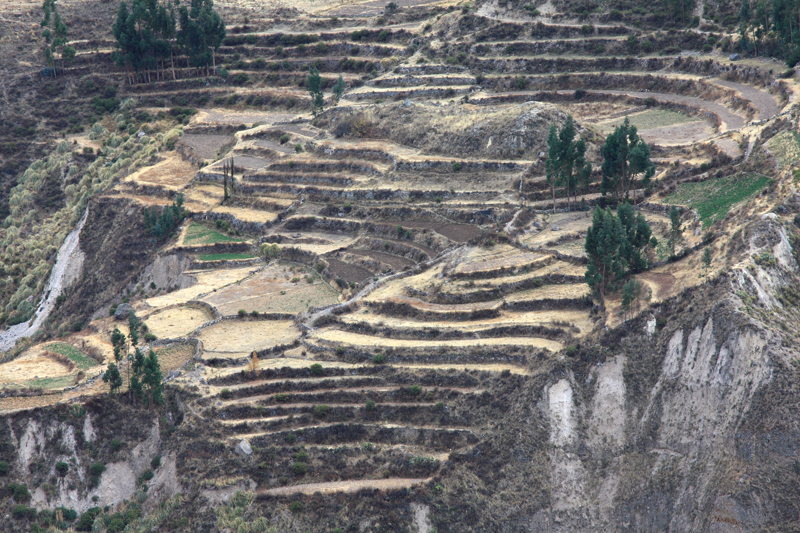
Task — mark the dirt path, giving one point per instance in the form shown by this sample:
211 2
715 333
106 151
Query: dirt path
345 486
764 102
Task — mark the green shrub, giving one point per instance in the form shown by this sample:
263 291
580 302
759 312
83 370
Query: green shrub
281 397
156 462
62 468
571 350
4 468
97 469
296 507
370 405
290 438
415 390
457 166
87 519
115 445
283 139
316 369
19 492
301 456
321 410
579 93
147 475
21 512
225 394
379 359
299 469
439 406
242 313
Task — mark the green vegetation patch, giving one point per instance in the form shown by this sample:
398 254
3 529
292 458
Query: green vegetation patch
51 383
74 355
713 198
225 257
785 147
197 234
652 118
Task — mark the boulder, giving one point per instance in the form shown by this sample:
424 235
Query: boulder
735 57
244 449
122 312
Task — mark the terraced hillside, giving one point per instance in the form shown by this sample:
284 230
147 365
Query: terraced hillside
425 339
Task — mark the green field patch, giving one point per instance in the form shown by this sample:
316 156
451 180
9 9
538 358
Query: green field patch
51 383
646 120
74 354
713 198
225 257
785 147
197 234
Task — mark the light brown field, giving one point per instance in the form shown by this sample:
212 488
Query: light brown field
33 363
246 214
482 259
357 339
177 322
207 281
272 291
245 336
172 357
172 173
345 486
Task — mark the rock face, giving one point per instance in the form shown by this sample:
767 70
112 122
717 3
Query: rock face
244 449
122 312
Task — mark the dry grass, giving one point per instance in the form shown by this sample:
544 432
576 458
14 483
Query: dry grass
785 147
173 356
246 214
273 291
646 120
499 256
346 486
33 363
356 339
177 322
246 336
173 173
207 281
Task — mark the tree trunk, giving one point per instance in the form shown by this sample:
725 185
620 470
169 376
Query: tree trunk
172 62
553 189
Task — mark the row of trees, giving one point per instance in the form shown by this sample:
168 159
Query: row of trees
626 163
149 33
145 381
771 28
314 86
56 50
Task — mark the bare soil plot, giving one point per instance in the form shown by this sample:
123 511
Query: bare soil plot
577 318
345 486
647 120
272 145
499 256
249 162
177 322
764 102
207 281
227 116
687 133
396 262
555 292
202 198
346 271
453 231
247 335
172 173
34 363
729 146
206 146
357 339
273 291
246 214
173 357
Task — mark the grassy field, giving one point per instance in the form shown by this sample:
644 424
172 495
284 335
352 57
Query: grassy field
197 235
225 257
73 354
712 198
51 383
652 118
785 147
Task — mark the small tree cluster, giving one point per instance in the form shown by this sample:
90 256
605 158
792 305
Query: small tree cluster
159 224
55 39
615 246
566 163
270 251
314 86
625 156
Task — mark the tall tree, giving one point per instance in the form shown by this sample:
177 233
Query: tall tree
625 156
566 163
152 380
56 38
605 239
338 90
675 230
638 235
201 33
113 378
314 86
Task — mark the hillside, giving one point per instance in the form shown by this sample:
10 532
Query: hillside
376 317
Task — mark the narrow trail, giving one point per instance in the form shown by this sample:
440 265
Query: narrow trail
344 486
764 102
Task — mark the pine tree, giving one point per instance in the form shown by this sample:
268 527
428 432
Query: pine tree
113 378
118 342
706 260
638 234
152 380
625 156
133 329
566 163
314 86
55 39
605 239
338 90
